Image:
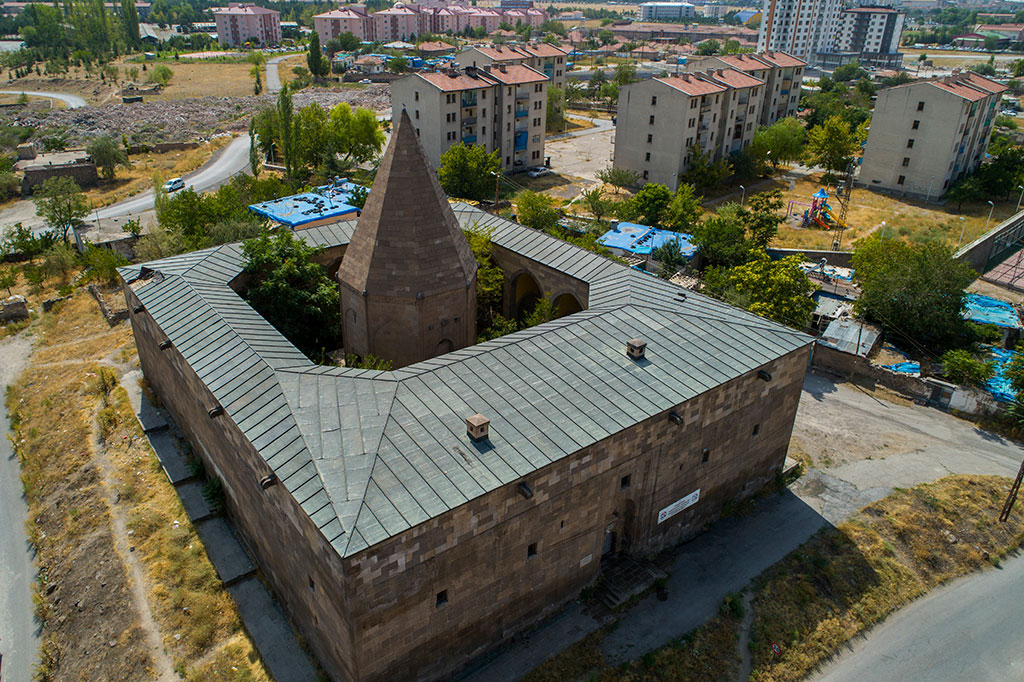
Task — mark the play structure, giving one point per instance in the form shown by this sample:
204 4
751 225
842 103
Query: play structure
818 212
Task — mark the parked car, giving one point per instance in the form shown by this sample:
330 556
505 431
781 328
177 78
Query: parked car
538 172
366 81
173 185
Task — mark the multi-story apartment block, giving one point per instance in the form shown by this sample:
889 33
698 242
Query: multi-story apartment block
666 11
660 119
349 19
502 107
782 74
239 23
802 28
548 59
869 35
925 135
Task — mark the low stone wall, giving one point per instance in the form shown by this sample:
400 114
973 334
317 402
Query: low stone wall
355 77
161 147
852 366
839 259
998 243
111 314
82 173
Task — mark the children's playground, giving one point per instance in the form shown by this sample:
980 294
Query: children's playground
818 213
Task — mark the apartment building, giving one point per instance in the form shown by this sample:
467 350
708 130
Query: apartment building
869 35
802 28
548 59
660 119
925 135
502 107
782 74
241 23
666 11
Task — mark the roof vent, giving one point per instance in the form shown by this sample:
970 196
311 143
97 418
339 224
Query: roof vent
478 427
636 349
502 68
524 489
268 480
164 345
137 309
215 411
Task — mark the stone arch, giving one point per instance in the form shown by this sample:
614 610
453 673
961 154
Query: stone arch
444 346
566 304
525 294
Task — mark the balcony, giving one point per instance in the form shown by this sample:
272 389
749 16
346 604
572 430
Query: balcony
522 112
469 139
522 94
469 121
469 101
520 141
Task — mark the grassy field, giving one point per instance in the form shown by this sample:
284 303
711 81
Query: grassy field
284 67
94 489
201 79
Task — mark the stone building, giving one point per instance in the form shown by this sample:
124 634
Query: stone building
410 520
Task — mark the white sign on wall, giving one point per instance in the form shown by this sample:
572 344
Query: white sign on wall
679 505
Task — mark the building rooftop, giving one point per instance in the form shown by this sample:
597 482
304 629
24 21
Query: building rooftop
244 9
967 84
310 207
734 78
691 85
643 239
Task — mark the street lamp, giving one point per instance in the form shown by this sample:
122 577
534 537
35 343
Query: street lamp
930 188
1021 188
743 196
883 229
991 207
963 226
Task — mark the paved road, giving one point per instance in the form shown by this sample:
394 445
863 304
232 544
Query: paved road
967 630
231 160
273 79
73 101
18 640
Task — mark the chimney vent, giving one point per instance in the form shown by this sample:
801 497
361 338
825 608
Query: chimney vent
478 427
636 349
502 68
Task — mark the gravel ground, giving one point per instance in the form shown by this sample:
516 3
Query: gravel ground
181 120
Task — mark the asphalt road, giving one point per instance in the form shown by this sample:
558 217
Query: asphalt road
231 160
18 640
73 101
272 78
967 630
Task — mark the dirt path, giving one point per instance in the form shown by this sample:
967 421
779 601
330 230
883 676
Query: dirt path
743 641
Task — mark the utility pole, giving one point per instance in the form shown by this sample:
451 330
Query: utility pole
1004 515
496 177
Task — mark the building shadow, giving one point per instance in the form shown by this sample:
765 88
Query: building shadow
818 385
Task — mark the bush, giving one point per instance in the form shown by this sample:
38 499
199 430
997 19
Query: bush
161 74
962 367
19 243
59 260
102 264
9 186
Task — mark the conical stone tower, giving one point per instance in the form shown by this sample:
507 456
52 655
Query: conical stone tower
408 278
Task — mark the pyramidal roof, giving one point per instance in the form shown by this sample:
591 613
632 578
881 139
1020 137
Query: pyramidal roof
407 241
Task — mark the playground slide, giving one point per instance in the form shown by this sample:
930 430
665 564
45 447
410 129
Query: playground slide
822 223
836 220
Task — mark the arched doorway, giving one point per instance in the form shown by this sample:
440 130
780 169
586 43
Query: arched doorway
525 294
566 304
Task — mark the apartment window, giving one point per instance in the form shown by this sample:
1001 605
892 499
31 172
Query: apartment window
483 113
654 100
915 125
483 94
483 130
536 121
624 483
508 127
920 106
693 103
508 160
906 161
442 598
650 121
647 156
650 139
416 96
531 550
689 142
693 122
705 455
757 429
417 114
535 154
910 143
417 132
645 175
900 179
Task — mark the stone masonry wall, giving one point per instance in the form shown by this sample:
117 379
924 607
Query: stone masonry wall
304 570
479 555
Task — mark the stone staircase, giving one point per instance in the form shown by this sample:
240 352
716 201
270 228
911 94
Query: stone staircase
623 577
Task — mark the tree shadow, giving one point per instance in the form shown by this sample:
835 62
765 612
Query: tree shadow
819 385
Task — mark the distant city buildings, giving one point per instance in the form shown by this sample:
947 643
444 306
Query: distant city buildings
926 135
547 59
869 35
666 11
406 21
502 107
717 105
241 23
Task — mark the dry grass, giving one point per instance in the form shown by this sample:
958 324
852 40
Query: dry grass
165 165
904 218
71 384
284 67
846 579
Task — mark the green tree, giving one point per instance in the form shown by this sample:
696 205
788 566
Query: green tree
286 129
61 203
670 256
490 282
625 73
254 157
832 145
292 292
257 83
620 178
761 217
59 261
961 367
555 115
318 66
537 211
722 241
914 291
684 210
781 142
594 201
709 47
108 154
354 135
161 73
542 311
130 19
651 203
398 64
468 172
967 188
705 173
778 290
8 279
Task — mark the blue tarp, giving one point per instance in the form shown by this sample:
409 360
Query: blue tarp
909 367
999 385
643 239
988 310
328 201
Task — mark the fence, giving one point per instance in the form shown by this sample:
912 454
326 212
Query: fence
994 246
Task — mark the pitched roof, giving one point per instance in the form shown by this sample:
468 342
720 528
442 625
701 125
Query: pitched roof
966 84
407 242
734 78
691 85
516 74
451 81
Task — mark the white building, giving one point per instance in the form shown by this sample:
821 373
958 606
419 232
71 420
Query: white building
869 35
666 11
802 28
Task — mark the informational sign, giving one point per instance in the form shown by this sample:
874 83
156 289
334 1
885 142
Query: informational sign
586 560
679 505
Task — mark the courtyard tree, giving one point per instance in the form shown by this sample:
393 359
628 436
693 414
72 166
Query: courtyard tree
625 73
61 204
705 172
915 292
108 154
722 241
594 201
318 66
286 130
781 142
683 212
651 202
468 172
776 289
537 211
293 293
398 64
962 367
620 178
833 144
8 278
761 217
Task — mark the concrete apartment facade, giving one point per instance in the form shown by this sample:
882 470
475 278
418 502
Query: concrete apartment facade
802 28
660 119
869 35
239 23
925 135
412 520
666 11
781 72
547 59
501 107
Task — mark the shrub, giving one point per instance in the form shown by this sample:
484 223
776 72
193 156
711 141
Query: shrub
963 368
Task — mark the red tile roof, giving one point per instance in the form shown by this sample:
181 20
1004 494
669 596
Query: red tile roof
689 84
517 74
453 81
735 79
